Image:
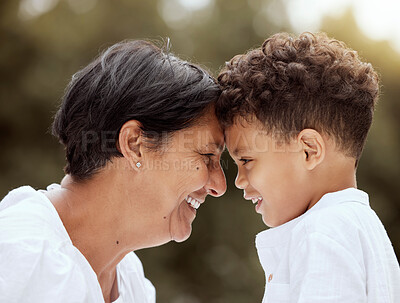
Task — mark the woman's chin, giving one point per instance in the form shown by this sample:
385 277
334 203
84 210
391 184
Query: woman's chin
181 233
182 237
181 222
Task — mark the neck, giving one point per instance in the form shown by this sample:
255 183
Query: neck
103 223
90 221
338 176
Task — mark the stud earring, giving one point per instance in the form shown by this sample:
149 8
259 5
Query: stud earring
138 165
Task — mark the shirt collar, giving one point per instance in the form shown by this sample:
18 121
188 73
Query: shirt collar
279 235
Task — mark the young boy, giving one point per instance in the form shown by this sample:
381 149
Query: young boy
296 114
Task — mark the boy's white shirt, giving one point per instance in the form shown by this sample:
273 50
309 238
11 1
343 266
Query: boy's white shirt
39 263
336 252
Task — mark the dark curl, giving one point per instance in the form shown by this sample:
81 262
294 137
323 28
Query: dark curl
292 83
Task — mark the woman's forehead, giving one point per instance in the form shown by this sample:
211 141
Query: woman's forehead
208 136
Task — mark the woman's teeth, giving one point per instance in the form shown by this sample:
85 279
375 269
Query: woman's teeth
193 202
256 200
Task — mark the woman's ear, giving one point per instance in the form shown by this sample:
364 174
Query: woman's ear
130 143
312 146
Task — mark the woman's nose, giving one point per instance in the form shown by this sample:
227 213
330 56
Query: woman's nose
217 183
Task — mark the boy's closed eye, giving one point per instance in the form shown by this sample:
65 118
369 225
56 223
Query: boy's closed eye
244 161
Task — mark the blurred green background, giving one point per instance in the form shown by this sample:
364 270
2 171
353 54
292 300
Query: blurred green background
43 42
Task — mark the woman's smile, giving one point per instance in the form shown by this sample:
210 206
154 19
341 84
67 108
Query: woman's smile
194 203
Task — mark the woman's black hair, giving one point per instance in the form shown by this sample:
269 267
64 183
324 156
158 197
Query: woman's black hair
131 80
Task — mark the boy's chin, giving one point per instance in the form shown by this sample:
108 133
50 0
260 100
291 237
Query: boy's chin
271 222
267 222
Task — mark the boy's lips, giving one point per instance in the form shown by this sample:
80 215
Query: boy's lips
257 200
259 205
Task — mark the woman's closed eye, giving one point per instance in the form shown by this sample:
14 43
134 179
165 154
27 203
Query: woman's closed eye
209 157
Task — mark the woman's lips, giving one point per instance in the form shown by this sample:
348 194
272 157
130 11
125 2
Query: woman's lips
194 203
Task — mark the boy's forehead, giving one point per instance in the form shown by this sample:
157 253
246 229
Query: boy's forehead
243 137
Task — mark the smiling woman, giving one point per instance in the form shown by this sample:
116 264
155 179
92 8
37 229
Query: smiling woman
142 147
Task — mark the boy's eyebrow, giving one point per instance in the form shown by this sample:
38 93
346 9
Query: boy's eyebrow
238 150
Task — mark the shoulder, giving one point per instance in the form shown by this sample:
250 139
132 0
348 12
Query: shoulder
36 254
348 224
37 270
27 214
340 217
337 216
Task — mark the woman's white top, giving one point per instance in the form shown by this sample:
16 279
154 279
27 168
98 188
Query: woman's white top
39 263
337 252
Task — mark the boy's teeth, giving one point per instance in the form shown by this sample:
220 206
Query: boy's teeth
193 202
255 200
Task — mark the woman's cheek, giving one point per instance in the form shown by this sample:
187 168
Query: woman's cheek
192 176
201 173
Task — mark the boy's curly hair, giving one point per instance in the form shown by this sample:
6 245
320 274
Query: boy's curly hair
292 83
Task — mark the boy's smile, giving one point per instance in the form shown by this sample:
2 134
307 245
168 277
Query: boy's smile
270 171
257 201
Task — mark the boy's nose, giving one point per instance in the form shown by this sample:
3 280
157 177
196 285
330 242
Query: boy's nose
241 181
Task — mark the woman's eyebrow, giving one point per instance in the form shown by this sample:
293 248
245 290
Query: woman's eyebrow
220 147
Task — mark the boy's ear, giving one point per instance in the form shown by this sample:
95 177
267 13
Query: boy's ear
312 146
130 142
